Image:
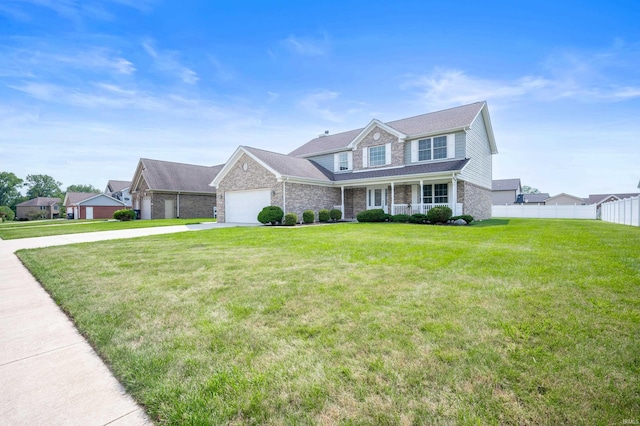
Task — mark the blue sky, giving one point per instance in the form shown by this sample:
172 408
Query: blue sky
89 87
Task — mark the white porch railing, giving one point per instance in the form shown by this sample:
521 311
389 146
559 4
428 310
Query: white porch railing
410 209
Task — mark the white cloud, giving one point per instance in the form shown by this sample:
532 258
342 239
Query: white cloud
305 46
167 61
315 104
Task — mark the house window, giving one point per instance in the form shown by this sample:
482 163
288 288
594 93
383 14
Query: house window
435 194
377 155
439 147
432 148
344 161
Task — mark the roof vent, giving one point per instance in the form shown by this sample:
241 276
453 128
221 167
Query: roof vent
326 133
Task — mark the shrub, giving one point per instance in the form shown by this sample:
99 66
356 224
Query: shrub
6 213
271 214
373 215
308 216
400 218
323 215
335 214
418 218
439 214
290 219
466 217
124 215
35 214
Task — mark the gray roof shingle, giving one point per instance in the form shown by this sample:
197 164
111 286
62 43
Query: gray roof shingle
596 198
443 166
505 184
39 202
118 185
289 166
76 197
433 122
169 176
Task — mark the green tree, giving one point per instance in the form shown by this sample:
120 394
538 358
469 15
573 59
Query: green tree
9 188
6 213
530 190
83 188
43 186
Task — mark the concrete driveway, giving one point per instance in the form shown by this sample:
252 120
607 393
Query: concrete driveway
49 374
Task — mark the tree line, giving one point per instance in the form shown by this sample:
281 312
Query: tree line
11 187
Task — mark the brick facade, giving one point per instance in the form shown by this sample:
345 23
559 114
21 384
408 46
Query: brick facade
397 149
476 200
300 197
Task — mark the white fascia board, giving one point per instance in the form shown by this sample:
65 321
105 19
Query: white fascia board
64 202
234 159
101 195
375 123
135 182
398 179
304 181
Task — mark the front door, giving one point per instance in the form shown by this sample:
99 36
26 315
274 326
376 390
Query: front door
169 209
89 212
377 198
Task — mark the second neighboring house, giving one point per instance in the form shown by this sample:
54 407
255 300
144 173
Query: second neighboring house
403 167
505 191
564 199
85 205
167 190
537 199
119 189
41 207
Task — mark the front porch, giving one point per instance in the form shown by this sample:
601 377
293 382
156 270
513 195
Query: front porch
408 197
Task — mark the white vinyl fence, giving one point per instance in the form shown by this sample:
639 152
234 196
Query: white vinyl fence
625 211
545 211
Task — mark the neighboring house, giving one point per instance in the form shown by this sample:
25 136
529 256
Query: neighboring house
119 189
505 191
163 189
538 199
48 207
599 199
403 166
86 205
563 199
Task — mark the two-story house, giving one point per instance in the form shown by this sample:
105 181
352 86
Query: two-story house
403 166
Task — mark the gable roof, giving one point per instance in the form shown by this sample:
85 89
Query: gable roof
448 120
286 165
175 177
506 185
564 194
75 198
39 202
598 198
118 185
536 198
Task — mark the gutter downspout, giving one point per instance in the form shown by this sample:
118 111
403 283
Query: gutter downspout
454 194
178 202
284 194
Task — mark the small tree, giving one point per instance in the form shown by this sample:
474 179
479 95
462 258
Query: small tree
335 215
270 214
35 214
6 213
526 189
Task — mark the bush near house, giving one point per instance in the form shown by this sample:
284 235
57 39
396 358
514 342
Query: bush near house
270 214
439 214
335 215
308 216
418 218
466 217
124 215
324 215
400 218
6 214
290 219
373 215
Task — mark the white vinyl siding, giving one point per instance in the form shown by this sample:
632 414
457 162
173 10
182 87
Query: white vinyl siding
479 169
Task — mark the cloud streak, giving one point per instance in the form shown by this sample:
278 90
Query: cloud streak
168 62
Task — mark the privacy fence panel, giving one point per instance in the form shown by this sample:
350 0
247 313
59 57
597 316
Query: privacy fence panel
625 211
545 211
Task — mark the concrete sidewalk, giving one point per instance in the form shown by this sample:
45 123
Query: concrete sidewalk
49 374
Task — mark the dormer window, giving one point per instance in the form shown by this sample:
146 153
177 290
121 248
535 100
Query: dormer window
343 161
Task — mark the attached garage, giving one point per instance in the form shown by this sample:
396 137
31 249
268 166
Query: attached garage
85 205
244 206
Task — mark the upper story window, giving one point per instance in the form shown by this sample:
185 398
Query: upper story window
343 161
377 155
432 148
435 148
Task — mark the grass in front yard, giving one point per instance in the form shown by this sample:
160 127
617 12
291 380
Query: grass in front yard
511 322
44 228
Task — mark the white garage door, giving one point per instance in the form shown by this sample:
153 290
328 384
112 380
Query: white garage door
244 206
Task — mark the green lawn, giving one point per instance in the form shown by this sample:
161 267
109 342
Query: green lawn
506 322
43 228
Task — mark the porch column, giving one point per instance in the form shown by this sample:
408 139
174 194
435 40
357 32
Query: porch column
421 197
454 195
342 200
393 197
